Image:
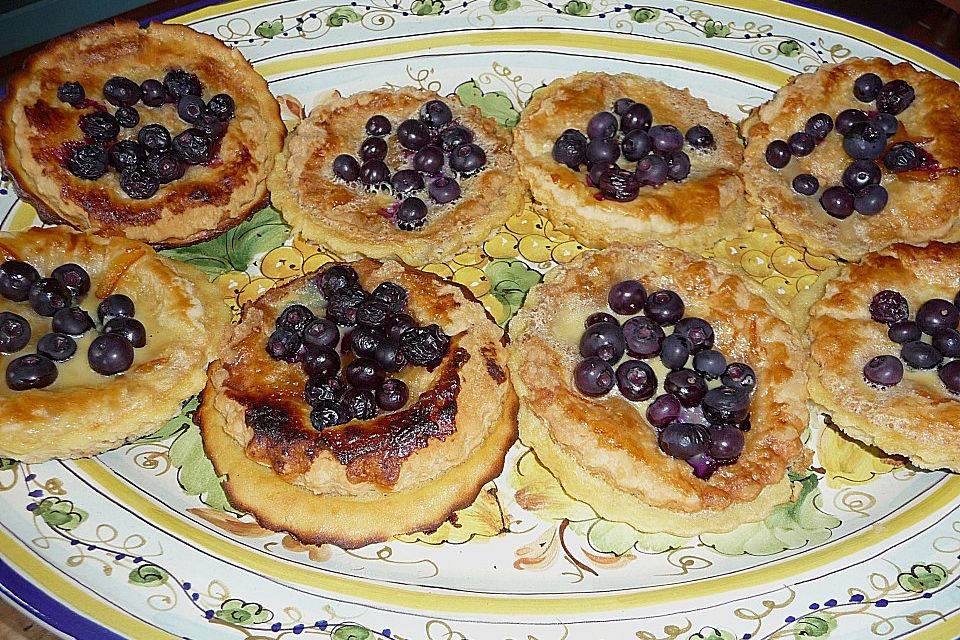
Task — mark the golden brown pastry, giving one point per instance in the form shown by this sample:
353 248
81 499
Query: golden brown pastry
349 480
41 134
922 203
352 216
693 213
918 417
83 412
603 449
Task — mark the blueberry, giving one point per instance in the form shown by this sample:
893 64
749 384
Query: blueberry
126 154
153 93
674 352
886 122
222 107
444 190
711 364
116 304
593 377
374 173
664 307
179 83
847 118
31 372
429 159
342 305
805 184
688 385
165 166
48 295
121 92
636 145
406 181
109 354
739 375
321 363
726 443
904 331
700 137
100 126
127 117
154 137
454 136
698 331
663 410
934 316
373 148
411 214
400 324
59 347
365 373
413 134
337 277
391 294
620 105
802 144
777 154
321 332
285 344
902 156
14 332
895 96
683 441
726 405
603 340
863 141
920 355
378 125
602 150
360 404
837 202
627 297
636 380
88 162
643 337
947 342
596 169
392 395
618 184
860 174
328 413
194 146
425 346
602 125
636 116
346 167
73 321
190 108
210 125
389 356
436 113
871 200
319 390
666 138
599 316
678 165
866 88
71 93
16 278
139 182
296 317
950 376
467 158
130 328
889 306
819 125
652 171
373 313
570 148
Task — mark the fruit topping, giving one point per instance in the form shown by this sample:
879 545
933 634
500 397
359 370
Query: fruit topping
436 113
570 149
425 346
895 96
16 278
866 88
860 174
337 277
920 355
179 83
373 148
467 158
116 304
847 118
374 173
805 184
411 214
194 146
413 134
664 307
864 141
837 201
871 200
392 395
59 347
675 351
444 190
73 277
48 295
604 340
71 93
32 371
328 413
889 306
88 162
100 126
937 314
222 107
378 125
346 167
618 184
130 328
321 363
777 154
165 166
684 441
139 182
110 354
154 138
126 154
127 117
190 108
14 332
904 331
902 156
950 376
819 125
73 321
710 364
593 376
697 330
700 137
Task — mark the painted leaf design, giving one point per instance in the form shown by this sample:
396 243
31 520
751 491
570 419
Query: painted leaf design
148 575
351 631
268 29
815 625
922 577
790 526
503 6
790 48
485 518
236 249
618 538
645 15
237 611
176 424
493 104
427 7
60 513
341 16
846 461
712 633
714 29
510 280
7 464
576 8
195 473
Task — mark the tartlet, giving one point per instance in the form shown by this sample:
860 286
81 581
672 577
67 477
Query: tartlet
922 204
360 481
694 213
352 218
917 418
39 131
603 450
84 413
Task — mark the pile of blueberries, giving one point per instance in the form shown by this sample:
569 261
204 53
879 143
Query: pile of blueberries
431 142
384 340
155 157
936 319
56 297
695 422
865 137
629 132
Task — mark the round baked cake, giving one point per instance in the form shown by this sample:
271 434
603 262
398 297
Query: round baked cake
622 158
661 389
400 173
883 349
350 439
857 156
160 134
101 341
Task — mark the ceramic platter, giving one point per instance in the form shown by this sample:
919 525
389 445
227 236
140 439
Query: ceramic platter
141 543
